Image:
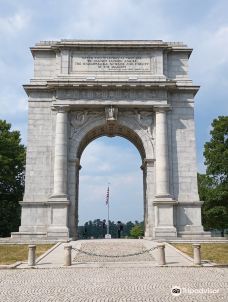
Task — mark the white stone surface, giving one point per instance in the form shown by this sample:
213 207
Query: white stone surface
147 84
112 284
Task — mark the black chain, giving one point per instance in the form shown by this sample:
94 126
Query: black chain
113 256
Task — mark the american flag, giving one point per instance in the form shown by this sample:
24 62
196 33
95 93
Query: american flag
107 196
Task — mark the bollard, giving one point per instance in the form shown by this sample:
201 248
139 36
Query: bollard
31 255
161 254
67 254
196 254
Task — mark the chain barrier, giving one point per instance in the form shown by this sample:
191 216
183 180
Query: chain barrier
114 256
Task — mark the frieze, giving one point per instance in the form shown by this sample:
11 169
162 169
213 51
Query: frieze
111 94
143 119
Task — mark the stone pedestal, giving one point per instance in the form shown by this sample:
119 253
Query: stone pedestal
67 254
196 254
164 219
161 254
31 255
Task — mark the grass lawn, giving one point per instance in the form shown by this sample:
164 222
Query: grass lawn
215 252
10 253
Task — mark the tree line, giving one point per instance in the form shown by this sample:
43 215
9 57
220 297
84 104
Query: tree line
213 185
97 229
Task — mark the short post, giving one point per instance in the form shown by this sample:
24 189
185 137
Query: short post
31 255
161 254
67 254
196 254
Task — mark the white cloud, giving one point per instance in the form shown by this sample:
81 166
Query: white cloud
211 51
116 19
11 104
106 157
14 23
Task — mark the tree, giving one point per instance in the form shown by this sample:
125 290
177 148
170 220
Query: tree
215 197
213 186
137 231
216 151
95 229
12 166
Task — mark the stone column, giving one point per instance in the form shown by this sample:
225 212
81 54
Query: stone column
149 193
58 202
60 160
163 202
162 165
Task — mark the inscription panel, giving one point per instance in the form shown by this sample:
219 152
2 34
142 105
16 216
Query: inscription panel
99 63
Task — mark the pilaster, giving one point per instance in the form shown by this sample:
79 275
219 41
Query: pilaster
149 193
74 168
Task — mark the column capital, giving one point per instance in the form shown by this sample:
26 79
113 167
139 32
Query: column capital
60 108
147 162
162 109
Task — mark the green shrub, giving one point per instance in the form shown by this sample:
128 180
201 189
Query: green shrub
137 231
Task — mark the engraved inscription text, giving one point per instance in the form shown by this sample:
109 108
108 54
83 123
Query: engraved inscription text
111 63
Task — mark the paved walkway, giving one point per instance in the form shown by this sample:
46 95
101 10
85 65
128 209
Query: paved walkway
55 259
113 284
93 278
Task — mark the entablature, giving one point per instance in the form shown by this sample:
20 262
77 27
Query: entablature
107 90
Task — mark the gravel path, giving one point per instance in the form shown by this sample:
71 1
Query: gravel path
113 249
115 284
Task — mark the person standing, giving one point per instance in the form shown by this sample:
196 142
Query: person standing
104 227
119 228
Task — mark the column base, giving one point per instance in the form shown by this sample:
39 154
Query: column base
164 232
193 232
58 211
164 218
59 199
163 199
29 235
57 232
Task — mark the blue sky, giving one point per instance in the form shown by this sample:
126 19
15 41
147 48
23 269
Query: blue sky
202 25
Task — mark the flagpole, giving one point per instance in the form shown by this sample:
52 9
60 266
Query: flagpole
108 220
108 236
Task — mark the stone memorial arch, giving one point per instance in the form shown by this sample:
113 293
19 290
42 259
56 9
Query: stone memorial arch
139 90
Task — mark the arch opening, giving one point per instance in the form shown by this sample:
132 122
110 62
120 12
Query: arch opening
114 130
116 161
118 131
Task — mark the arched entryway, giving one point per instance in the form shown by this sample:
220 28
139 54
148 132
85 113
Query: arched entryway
110 129
96 127
112 161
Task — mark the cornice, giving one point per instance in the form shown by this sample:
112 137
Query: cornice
109 44
54 85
